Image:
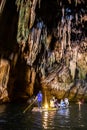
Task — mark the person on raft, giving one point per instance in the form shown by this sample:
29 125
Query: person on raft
39 98
66 102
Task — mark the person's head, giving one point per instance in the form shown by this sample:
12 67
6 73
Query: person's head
40 91
53 97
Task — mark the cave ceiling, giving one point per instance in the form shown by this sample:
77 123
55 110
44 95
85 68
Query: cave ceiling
50 11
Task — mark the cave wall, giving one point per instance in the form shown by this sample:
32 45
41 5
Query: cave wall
53 52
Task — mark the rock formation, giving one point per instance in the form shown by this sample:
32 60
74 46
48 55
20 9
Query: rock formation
46 49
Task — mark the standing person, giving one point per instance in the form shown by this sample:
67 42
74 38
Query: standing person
39 99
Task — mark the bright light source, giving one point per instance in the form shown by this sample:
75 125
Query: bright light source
46 106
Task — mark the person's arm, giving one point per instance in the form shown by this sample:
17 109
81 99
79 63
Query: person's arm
36 97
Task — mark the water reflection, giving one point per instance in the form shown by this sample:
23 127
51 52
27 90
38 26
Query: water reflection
12 118
48 119
45 120
64 118
80 116
79 119
64 112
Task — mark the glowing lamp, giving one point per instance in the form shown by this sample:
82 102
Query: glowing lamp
46 106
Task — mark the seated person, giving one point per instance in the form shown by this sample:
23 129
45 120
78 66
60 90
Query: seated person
56 103
62 103
66 101
52 102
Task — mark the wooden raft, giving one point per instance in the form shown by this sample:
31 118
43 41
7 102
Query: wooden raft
36 109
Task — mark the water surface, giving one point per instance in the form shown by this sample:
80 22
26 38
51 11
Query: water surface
13 118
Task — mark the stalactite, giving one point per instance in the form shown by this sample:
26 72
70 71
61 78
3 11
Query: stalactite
65 36
44 37
69 1
76 2
61 49
69 33
62 31
48 41
63 12
2 5
26 20
39 1
18 3
76 17
34 43
23 30
73 62
32 15
30 78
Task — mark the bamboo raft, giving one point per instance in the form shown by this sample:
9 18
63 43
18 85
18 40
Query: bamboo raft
36 109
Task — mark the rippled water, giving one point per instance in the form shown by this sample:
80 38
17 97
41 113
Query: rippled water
13 118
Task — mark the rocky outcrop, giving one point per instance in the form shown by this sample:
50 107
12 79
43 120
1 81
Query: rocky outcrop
4 77
70 79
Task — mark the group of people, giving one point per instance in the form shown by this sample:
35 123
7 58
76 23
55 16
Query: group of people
63 103
53 102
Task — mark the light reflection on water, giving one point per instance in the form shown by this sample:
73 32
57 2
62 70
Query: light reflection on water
73 118
48 119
